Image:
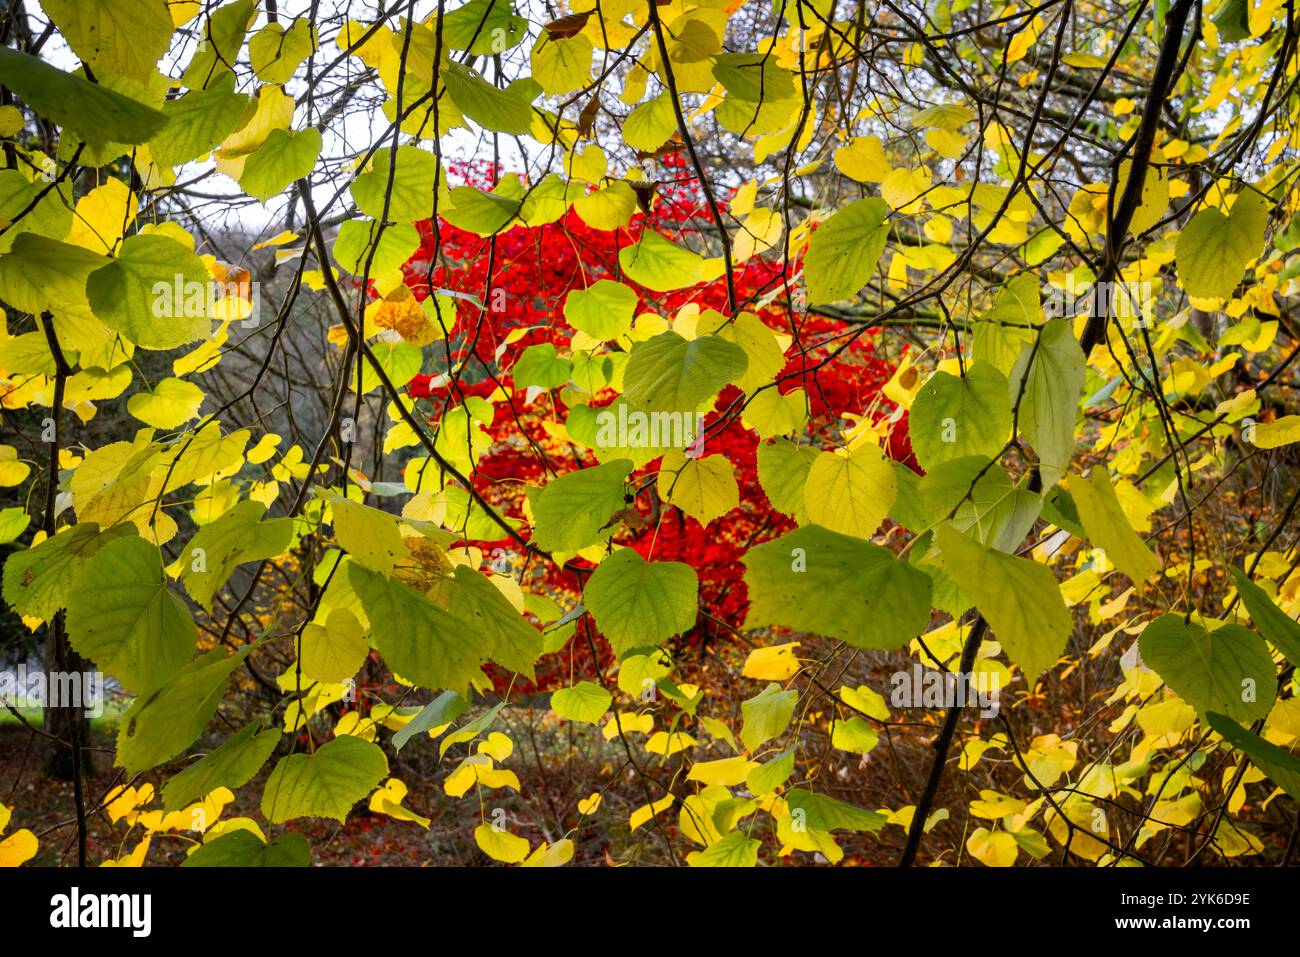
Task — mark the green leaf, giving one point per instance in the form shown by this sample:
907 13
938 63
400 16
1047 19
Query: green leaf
356 237
500 111
767 715
39 274
1213 249
221 39
982 498
850 493
736 849
282 159
661 265
1018 597
230 766
243 848
444 709
325 784
670 374
638 604
167 720
651 124
477 211
38 581
124 618
420 641
603 310
766 778
542 366
495 624
275 52
753 77
409 182
334 651
1278 763
845 250
1050 404
819 581
783 468
145 293
232 539
91 112
371 536
1228 670
197 122
585 702
122 37
1106 524
954 417
1273 623
574 510
484 27
823 813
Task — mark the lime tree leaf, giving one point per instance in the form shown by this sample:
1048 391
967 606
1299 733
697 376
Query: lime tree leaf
957 416
282 159
783 468
122 37
766 778
704 488
38 581
371 536
124 618
981 498
1278 763
661 265
325 784
39 274
420 641
243 848
820 581
409 180
95 114
197 122
137 293
165 721
336 650
670 374
585 702
736 849
1273 623
488 615
638 604
1213 249
603 310
651 124
230 766
222 36
275 52
753 77
218 548
574 510
850 493
1050 402
500 111
444 709
767 715
1228 669
845 250
1104 520
168 405
823 813
484 27
542 366
352 246
1018 597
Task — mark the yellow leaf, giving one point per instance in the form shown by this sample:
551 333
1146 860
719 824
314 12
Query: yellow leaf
1271 435
852 493
863 159
644 813
729 772
773 663
101 217
589 805
993 848
500 845
703 488
18 848
551 855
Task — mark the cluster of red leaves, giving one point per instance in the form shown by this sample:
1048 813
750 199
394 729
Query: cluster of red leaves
523 277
